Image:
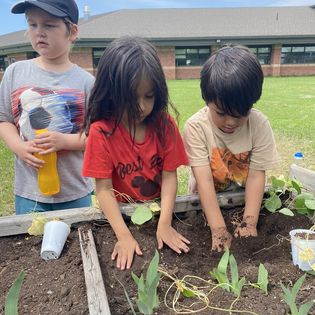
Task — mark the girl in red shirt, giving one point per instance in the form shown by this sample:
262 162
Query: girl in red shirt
134 146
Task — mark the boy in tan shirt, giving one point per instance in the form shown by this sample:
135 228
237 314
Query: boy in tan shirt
228 143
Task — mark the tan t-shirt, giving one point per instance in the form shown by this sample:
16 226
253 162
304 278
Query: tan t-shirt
230 155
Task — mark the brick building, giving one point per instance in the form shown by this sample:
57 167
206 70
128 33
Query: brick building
283 38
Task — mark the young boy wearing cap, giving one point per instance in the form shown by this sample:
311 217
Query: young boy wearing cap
48 92
228 143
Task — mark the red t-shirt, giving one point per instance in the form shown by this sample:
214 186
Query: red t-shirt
135 168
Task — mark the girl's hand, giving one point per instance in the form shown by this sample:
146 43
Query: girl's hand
167 234
123 252
221 239
50 141
246 228
25 152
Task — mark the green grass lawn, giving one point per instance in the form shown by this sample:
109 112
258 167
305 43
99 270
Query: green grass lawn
288 102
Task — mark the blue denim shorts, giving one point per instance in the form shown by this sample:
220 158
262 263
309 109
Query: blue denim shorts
24 205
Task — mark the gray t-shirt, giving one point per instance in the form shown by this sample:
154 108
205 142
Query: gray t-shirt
32 98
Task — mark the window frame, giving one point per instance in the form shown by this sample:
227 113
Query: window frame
295 55
191 56
266 56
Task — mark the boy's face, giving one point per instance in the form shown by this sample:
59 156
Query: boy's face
49 35
226 123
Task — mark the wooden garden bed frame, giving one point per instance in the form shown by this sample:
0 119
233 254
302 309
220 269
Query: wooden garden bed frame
95 289
96 294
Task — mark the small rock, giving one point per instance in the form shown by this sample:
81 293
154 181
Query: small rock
64 292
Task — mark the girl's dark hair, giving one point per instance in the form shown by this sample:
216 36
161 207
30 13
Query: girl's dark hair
125 62
232 78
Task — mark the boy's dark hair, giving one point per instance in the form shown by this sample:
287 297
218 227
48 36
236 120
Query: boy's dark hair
232 78
125 62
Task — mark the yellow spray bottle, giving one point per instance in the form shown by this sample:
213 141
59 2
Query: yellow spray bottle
48 178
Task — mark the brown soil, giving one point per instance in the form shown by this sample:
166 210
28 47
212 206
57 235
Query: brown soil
57 287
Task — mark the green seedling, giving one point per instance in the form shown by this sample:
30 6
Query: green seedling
148 299
144 213
12 299
221 274
302 203
290 298
262 281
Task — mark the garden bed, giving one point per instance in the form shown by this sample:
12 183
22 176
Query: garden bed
57 287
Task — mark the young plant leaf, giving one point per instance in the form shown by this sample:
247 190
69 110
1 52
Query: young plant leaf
299 205
296 185
304 309
188 293
12 299
237 284
273 203
297 286
262 280
277 184
152 269
220 273
148 299
286 211
310 204
141 215
154 207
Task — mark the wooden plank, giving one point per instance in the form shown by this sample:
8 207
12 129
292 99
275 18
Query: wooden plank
95 289
303 175
14 225
19 224
306 177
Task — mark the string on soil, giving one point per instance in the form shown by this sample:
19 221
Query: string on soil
200 289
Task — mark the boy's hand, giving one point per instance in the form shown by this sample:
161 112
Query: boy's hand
25 152
167 234
246 228
123 252
50 141
221 239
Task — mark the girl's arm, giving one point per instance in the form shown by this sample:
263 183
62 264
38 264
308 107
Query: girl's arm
165 232
23 149
221 238
254 192
52 141
126 245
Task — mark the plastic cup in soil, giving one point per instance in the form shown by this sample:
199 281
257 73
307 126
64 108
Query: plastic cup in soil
55 236
299 244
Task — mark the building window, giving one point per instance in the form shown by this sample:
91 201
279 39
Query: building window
97 54
3 63
31 54
263 53
191 56
298 54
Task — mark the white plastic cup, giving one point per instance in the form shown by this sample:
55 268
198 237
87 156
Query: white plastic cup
298 245
55 236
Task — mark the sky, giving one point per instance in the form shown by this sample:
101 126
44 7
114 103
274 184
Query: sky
14 22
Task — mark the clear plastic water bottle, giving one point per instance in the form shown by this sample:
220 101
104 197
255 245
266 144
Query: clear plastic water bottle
299 159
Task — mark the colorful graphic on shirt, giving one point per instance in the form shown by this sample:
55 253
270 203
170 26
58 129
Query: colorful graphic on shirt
229 168
37 108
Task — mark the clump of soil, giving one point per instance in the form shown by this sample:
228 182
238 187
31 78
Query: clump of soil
58 287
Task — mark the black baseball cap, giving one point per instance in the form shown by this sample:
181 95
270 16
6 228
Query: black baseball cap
58 8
